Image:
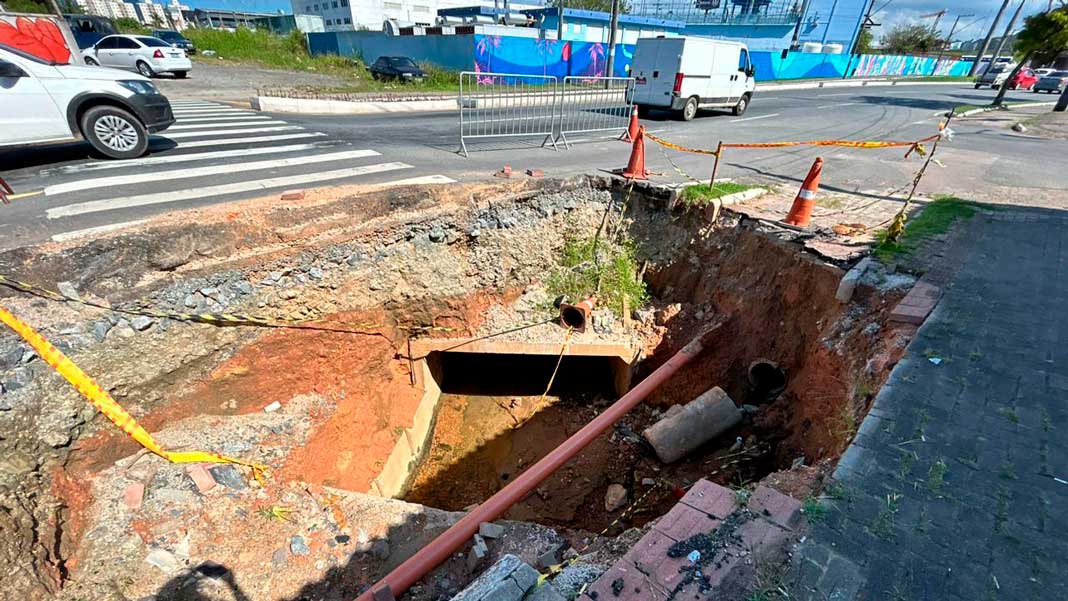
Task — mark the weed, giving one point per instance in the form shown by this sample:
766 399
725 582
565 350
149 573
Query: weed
1001 510
1006 471
974 356
921 425
702 194
936 476
930 353
1047 423
741 496
814 509
933 220
275 512
883 526
615 272
1010 414
904 467
844 426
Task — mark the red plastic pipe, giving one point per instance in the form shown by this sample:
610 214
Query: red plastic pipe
439 549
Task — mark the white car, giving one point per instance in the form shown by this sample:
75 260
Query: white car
44 102
1043 72
145 54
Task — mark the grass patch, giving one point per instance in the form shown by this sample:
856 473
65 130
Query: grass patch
290 53
702 194
933 220
814 509
577 274
936 476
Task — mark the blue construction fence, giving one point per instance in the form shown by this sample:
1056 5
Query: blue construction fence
539 56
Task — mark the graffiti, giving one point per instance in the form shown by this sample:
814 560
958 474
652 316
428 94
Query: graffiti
39 36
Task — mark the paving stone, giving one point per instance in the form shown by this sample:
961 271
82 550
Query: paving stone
684 521
200 477
650 556
713 499
777 507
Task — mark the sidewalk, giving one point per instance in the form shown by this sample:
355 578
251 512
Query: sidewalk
956 485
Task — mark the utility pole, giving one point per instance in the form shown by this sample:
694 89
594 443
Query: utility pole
560 20
864 24
986 41
949 40
613 23
1005 36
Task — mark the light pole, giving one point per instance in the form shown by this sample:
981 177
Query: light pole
1005 36
949 40
986 40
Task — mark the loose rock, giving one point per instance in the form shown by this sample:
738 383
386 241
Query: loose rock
297 545
615 497
141 323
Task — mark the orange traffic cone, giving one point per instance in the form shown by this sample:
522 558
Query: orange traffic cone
632 129
636 166
801 213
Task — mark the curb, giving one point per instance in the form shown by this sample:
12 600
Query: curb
313 106
987 109
723 201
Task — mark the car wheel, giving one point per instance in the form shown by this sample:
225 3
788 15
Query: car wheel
743 103
114 132
180 74
690 110
91 62
994 86
145 69
978 85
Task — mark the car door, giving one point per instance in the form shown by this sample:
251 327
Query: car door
29 114
105 51
127 52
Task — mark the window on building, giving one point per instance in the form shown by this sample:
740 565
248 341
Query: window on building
335 4
421 9
328 22
316 7
344 2
348 21
391 5
307 8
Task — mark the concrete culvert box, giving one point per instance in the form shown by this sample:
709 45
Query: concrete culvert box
684 430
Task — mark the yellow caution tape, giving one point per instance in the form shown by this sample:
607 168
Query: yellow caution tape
847 143
664 142
107 405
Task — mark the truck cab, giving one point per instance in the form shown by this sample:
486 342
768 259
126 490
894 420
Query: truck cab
684 74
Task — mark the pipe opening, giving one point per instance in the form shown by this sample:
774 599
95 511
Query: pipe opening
766 381
573 317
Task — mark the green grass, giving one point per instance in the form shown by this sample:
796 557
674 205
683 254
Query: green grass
576 274
289 53
814 509
933 220
702 194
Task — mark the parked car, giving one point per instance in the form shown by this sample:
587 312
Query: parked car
47 102
994 76
145 54
1054 82
1043 72
396 67
684 74
175 39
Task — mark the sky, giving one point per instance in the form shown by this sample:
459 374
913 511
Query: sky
895 12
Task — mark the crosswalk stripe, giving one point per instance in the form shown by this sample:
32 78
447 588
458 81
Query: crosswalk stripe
259 140
227 132
214 125
232 188
211 112
182 158
234 118
158 176
198 105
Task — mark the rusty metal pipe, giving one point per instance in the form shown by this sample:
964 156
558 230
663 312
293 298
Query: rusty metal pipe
439 549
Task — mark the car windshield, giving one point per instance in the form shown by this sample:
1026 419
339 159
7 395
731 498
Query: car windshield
152 42
401 62
1058 74
170 36
997 69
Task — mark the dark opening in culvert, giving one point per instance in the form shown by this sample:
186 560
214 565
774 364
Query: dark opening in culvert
766 381
492 374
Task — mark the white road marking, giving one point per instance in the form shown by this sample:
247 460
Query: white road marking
181 158
197 105
233 188
227 132
827 106
214 125
261 139
211 113
237 118
100 229
842 94
158 176
754 118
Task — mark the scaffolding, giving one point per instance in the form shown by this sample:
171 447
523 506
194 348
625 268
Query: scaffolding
721 12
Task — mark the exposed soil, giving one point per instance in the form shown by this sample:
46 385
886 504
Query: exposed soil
454 262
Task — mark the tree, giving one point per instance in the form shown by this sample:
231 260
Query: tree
26 6
910 39
1044 36
864 41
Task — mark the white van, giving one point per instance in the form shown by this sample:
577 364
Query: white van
43 102
686 73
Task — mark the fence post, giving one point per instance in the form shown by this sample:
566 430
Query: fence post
715 166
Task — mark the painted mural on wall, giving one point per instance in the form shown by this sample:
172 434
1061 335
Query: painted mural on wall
538 56
875 65
39 36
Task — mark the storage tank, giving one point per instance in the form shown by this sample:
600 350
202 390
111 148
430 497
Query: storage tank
833 48
813 47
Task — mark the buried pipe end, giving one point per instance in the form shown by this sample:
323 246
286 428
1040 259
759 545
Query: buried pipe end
577 316
766 380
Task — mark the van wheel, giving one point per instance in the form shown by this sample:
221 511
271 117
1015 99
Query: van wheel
114 132
644 110
145 69
690 110
743 103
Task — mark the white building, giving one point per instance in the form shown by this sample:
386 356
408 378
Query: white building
347 15
145 12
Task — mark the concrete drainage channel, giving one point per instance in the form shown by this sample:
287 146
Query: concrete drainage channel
433 397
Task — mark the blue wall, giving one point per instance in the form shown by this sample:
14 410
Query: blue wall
535 56
756 37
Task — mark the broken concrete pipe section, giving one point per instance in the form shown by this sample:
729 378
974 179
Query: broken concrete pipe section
578 315
685 428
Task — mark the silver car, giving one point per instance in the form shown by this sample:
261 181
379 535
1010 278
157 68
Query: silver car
1054 82
994 76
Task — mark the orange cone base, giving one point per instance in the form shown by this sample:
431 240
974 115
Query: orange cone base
636 165
801 212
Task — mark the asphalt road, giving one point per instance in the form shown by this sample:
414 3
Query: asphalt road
217 153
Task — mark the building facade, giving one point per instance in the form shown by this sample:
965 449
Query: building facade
369 15
145 12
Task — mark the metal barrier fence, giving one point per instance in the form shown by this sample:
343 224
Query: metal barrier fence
589 104
498 105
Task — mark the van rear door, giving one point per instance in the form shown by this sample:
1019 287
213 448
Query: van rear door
656 61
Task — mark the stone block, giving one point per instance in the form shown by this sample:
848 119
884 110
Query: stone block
713 499
776 507
135 492
490 530
684 521
200 477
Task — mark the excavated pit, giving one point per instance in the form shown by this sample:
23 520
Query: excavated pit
417 405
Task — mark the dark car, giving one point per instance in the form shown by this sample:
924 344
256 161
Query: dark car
396 67
174 39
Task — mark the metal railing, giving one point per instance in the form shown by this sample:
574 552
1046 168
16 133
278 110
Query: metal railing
499 105
589 104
